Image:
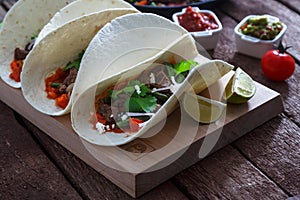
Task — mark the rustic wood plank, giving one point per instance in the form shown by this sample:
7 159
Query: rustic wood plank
292 4
226 175
274 148
2 13
226 50
26 172
239 9
7 4
60 130
89 182
236 59
289 90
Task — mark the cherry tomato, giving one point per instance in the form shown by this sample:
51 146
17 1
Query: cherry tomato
277 65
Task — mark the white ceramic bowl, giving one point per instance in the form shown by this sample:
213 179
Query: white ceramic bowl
208 39
255 47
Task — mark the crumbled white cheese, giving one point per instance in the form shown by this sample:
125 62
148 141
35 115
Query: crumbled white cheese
100 127
107 127
173 87
152 78
137 89
113 126
111 116
124 117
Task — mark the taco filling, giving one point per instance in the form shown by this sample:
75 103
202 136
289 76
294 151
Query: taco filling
59 85
19 56
129 104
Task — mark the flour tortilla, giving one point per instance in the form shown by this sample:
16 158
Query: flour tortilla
25 19
123 43
56 50
77 9
207 73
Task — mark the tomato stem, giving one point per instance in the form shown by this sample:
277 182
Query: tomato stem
282 49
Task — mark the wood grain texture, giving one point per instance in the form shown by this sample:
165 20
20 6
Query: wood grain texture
26 172
226 175
289 90
89 183
7 4
274 148
276 128
240 9
226 50
292 4
60 130
2 13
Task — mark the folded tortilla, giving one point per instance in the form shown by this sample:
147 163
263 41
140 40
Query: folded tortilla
198 79
77 9
56 50
25 19
124 33
123 43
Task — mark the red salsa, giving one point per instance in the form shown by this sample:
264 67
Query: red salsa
53 92
16 68
19 56
59 85
194 21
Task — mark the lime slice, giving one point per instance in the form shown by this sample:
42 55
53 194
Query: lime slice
240 88
202 109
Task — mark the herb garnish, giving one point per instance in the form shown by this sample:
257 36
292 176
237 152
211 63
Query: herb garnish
139 101
181 69
75 63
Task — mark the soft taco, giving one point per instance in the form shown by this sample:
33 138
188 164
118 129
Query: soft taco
77 9
54 61
109 44
123 43
20 27
126 105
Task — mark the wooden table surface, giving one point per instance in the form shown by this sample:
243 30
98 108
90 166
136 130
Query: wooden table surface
264 164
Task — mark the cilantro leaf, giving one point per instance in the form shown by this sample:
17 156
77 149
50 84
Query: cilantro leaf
138 104
170 69
34 36
144 90
185 66
75 63
131 90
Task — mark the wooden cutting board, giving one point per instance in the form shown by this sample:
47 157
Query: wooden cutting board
144 163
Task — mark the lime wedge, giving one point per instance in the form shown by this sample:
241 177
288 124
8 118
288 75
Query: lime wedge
240 88
202 109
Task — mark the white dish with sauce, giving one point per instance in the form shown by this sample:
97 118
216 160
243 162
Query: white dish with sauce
253 46
207 39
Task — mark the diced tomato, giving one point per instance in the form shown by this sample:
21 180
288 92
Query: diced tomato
143 2
117 130
58 77
100 118
52 93
16 67
62 101
134 124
